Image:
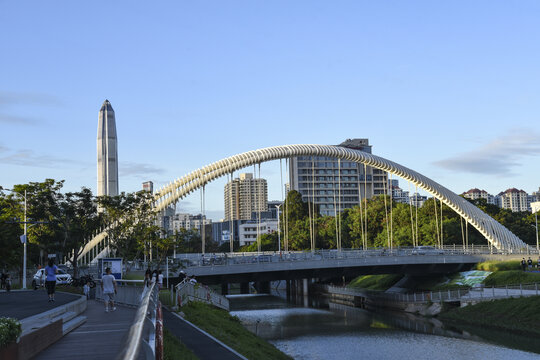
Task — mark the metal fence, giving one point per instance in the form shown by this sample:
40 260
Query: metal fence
186 292
473 294
130 292
228 259
144 338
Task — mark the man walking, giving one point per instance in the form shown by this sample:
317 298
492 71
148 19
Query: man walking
108 286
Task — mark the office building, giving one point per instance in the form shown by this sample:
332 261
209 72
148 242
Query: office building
335 184
107 152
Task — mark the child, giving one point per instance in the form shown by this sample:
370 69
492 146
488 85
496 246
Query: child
86 289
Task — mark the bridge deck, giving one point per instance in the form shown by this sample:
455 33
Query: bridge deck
101 337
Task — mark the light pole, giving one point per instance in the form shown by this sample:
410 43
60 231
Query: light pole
535 206
278 229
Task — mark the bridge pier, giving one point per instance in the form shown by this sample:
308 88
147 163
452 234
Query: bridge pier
263 287
244 288
224 288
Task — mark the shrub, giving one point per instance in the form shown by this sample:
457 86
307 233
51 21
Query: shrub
10 330
499 265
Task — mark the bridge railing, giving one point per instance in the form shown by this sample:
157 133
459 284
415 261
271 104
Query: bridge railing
129 292
187 291
144 340
474 293
228 259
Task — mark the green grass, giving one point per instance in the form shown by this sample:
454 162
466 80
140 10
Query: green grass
133 276
174 349
228 329
498 265
165 297
375 282
517 315
511 277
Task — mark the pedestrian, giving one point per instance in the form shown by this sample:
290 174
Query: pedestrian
50 281
160 279
538 266
108 286
529 263
523 264
147 278
8 282
86 289
3 280
193 281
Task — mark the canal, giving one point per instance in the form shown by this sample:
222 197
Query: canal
324 330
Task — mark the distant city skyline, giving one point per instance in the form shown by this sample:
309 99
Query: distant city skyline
448 90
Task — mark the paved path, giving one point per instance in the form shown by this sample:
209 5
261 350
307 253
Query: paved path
101 337
202 346
22 304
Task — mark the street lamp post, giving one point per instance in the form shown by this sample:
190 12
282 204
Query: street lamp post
535 206
24 245
278 229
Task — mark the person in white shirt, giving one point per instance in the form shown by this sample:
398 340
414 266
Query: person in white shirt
160 280
108 286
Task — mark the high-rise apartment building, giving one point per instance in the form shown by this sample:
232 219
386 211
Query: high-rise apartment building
148 186
335 184
107 152
245 195
475 193
515 200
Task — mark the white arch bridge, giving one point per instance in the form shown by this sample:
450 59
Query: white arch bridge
495 233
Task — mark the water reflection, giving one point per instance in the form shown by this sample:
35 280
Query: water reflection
342 332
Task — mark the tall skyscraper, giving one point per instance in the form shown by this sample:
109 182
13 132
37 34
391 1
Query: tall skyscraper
107 152
336 185
245 195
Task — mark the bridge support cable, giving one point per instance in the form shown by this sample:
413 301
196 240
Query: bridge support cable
309 206
202 232
386 213
339 200
287 208
437 235
258 185
282 201
360 222
313 205
365 200
231 221
417 206
442 233
410 210
335 203
462 232
391 213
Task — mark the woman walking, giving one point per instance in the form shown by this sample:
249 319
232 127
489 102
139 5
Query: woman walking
50 281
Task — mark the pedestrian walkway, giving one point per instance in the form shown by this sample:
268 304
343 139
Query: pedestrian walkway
20 304
202 345
101 337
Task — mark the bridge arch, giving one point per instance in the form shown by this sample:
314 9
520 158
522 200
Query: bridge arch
496 234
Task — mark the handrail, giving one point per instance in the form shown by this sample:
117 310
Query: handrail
135 337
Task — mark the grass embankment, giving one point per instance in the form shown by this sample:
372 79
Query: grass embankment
375 282
517 315
228 329
174 349
507 273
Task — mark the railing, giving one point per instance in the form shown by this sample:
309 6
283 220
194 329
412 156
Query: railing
473 294
186 292
129 292
228 259
146 329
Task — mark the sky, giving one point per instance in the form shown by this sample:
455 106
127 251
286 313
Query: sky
448 89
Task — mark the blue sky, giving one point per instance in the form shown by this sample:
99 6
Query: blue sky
448 89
